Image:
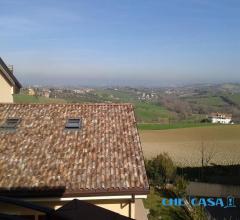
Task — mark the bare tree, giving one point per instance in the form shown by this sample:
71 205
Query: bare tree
207 155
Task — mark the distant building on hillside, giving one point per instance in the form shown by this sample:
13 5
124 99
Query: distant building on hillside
43 92
31 92
46 93
221 118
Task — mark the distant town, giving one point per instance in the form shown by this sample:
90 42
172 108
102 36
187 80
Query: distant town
188 104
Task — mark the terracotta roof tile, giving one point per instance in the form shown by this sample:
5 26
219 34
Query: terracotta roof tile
104 156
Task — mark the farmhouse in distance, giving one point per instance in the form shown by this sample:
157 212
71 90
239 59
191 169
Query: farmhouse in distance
221 118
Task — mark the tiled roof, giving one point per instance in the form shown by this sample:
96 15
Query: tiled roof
221 115
103 157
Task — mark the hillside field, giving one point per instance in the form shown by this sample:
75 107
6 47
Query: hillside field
159 126
184 145
22 98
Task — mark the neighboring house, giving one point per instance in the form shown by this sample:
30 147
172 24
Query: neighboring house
9 85
53 153
221 118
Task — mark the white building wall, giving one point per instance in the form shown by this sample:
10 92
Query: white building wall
221 120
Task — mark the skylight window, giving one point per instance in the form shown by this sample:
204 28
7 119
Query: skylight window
73 124
10 123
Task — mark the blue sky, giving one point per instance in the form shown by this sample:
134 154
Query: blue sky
128 42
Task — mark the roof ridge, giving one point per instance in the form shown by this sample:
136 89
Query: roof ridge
100 104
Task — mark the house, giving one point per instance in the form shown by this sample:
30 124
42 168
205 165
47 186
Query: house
9 85
43 92
54 153
221 118
46 93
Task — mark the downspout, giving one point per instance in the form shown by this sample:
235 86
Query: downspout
132 200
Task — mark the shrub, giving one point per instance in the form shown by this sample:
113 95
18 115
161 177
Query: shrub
160 170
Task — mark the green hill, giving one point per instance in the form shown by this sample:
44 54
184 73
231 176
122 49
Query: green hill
22 98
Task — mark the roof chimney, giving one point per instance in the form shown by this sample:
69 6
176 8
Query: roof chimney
10 67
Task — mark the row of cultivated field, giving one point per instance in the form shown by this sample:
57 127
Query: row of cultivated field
187 146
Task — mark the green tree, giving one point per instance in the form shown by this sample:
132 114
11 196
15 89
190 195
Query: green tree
161 170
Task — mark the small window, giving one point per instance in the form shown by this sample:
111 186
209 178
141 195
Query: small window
10 123
73 123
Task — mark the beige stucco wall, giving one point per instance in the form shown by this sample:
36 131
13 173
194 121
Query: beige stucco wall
6 91
120 206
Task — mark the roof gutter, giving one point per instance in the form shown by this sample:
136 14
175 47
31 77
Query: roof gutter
60 193
89 198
